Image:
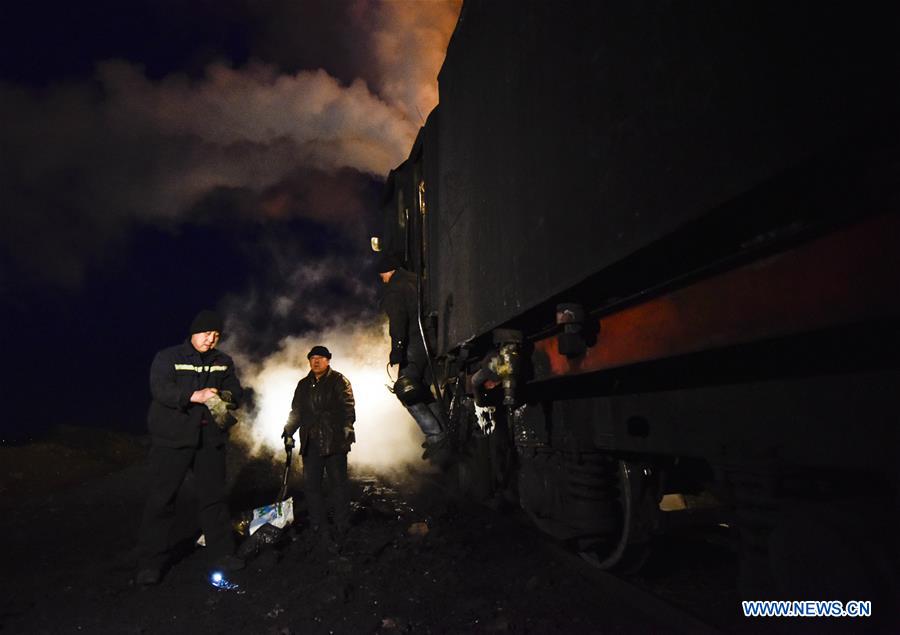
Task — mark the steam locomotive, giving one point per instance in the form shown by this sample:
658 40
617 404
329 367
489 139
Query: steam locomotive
658 257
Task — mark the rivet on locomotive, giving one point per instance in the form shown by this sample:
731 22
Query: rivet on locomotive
657 278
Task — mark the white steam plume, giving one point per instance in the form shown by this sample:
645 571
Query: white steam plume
408 41
328 125
152 149
387 439
99 157
137 150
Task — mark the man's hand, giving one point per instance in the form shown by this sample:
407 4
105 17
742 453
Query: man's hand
202 396
349 434
288 439
398 352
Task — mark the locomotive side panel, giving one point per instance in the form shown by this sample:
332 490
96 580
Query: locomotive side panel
573 135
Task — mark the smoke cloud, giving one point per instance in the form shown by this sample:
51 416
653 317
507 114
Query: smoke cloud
84 162
88 164
323 124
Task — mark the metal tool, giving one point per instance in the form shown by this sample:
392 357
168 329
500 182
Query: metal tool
289 450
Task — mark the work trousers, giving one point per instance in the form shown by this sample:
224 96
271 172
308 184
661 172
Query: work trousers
428 414
169 467
314 468
416 364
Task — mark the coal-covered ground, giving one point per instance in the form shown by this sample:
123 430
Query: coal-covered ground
417 560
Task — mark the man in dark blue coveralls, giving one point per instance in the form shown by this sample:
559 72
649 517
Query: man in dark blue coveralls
194 388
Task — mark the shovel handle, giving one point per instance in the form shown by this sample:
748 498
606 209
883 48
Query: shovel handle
287 473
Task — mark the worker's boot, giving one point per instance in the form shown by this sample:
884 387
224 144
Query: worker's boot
439 448
438 451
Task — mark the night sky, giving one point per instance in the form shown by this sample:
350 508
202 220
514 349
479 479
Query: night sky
160 157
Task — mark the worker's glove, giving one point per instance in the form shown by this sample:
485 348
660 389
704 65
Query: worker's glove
398 352
228 398
220 412
349 434
288 438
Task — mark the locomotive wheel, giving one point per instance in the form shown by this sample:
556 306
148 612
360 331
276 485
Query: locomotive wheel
629 551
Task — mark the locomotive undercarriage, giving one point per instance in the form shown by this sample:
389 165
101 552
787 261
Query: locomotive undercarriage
593 471
785 436
604 504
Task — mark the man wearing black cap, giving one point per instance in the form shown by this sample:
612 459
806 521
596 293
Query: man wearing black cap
400 304
323 411
194 388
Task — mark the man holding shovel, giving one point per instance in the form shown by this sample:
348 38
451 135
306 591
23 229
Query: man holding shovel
323 412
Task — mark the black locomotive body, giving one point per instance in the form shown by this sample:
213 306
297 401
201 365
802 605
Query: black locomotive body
657 247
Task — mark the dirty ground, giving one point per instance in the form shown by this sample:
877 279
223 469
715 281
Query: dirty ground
414 561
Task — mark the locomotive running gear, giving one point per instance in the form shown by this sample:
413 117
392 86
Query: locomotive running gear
206 321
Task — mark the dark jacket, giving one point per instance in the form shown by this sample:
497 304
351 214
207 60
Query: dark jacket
323 410
175 374
401 307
